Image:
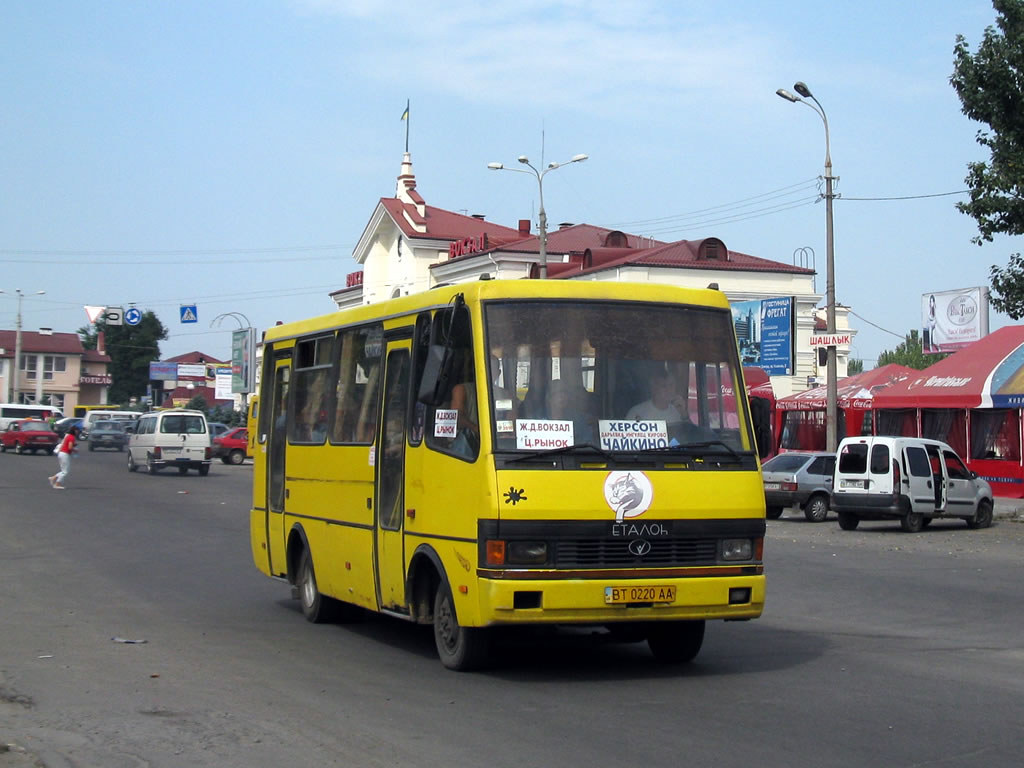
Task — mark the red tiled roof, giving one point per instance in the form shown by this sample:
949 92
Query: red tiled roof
683 255
35 342
446 225
194 357
92 356
577 238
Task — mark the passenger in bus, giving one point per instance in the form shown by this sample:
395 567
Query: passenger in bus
666 404
663 404
464 399
568 400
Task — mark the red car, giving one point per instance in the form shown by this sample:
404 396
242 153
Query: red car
28 435
232 446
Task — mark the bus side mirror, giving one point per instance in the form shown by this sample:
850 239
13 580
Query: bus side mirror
437 373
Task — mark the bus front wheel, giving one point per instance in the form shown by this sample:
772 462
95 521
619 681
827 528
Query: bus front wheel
460 648
675 642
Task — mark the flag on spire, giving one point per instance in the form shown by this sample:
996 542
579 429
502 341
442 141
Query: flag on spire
405 115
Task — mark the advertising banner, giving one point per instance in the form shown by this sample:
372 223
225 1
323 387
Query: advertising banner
222 384
192 371
950 320
764 330
163 371
243 353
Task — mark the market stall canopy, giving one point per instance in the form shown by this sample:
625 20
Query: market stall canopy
987 374
859 391
759 384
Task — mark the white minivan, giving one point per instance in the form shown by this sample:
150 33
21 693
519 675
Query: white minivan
910 479
173 438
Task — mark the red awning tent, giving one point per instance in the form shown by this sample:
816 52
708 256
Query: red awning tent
759 384
859 392
987 374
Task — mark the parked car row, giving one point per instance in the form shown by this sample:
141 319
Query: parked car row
28 436
174 438
910 479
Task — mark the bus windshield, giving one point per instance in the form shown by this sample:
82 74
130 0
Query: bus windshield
615 376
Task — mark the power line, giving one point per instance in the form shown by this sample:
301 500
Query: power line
747 201
178 252
907 197
900 336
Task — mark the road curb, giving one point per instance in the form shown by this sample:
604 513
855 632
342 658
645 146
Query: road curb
1008 509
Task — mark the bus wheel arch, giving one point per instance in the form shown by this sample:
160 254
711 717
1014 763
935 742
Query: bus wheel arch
422 582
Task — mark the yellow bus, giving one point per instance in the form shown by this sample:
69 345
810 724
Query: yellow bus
506 453
82 410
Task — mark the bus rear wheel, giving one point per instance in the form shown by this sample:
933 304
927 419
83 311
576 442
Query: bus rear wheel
675 642
315 607
459 648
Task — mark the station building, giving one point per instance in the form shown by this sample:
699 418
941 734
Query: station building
410 246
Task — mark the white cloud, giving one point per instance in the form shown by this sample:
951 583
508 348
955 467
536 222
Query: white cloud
593 56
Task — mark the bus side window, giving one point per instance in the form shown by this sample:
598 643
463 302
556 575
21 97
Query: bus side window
421 347
459 405
355 414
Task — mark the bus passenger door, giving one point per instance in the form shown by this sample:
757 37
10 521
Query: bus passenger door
277 443
390 479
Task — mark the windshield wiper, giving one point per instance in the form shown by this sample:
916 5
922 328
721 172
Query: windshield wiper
590 447
696 448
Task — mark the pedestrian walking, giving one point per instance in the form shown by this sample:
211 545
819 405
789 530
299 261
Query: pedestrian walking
67 446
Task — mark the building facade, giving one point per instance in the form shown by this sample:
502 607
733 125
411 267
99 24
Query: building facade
54 370
409 246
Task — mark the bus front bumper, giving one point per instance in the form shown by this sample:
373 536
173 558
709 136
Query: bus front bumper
585 601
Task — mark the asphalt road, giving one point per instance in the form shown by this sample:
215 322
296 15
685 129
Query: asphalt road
877 648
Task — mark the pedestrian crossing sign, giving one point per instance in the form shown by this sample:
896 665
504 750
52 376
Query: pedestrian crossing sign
189 313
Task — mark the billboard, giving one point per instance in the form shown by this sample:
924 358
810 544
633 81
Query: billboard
950 320
243 356
163 371
222 383
764 330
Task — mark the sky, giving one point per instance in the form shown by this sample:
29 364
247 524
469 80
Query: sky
230 154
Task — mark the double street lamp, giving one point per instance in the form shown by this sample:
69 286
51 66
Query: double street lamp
543 267
16 367
831 409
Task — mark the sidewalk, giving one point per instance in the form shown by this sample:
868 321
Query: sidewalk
1008 509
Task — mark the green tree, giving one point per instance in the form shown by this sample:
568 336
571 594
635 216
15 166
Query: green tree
854 366
1008 287
990 84
910 353
131 348
198 403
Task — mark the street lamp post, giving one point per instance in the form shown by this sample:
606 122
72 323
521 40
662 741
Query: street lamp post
542 214
831 433
16 367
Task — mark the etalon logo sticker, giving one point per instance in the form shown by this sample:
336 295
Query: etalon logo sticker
629 494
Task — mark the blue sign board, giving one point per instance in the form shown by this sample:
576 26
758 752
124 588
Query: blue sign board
189 313
133 316
764 330
163 371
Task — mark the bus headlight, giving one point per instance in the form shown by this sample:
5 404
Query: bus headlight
527 552
737 549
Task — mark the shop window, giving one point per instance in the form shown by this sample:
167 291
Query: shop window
995 434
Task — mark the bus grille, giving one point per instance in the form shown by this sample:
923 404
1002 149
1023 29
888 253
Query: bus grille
614 553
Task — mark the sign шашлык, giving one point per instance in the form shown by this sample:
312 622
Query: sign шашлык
831 339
